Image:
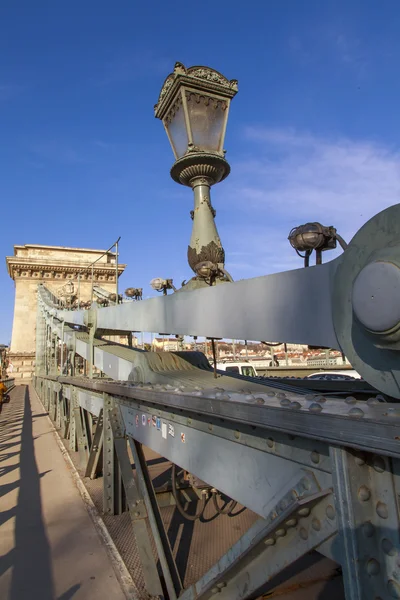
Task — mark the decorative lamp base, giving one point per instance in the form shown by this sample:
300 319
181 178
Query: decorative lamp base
200 164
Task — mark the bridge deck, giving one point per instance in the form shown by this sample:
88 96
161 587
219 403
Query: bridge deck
49 548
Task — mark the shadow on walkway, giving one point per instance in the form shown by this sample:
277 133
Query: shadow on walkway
30 558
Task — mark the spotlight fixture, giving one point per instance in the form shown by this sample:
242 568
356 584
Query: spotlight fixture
162 285
314 236
135 293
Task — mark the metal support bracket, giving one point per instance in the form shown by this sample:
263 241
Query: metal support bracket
136 505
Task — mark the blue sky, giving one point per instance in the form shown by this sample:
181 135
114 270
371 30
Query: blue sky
313 133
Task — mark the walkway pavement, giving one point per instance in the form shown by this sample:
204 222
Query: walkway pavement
49 548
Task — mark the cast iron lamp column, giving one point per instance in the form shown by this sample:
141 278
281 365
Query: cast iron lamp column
194 105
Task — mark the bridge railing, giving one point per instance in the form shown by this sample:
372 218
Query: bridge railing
9 383
321 475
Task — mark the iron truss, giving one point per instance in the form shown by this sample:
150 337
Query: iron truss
321 473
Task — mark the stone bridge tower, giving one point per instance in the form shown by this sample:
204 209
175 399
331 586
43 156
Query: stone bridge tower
55 266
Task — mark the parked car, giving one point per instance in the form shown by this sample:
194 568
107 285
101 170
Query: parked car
240 368
349 375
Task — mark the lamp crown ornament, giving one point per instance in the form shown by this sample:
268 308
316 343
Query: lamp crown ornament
193 105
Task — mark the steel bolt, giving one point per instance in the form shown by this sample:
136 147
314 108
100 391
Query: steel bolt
291 522
372 401
379 464
356 412
316 524
320 399
330 512
269 542
388 547
393 588
373 567
315 457
382 510
360 460
364 493
303 533
350 400
368 529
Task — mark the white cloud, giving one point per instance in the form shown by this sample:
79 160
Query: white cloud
299 177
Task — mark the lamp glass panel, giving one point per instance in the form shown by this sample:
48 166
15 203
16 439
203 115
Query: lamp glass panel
176 126
207 117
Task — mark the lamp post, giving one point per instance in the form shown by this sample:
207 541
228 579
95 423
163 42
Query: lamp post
193 106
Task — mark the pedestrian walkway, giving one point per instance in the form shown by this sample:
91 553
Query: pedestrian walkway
49 547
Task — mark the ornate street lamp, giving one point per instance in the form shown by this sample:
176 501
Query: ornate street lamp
193 106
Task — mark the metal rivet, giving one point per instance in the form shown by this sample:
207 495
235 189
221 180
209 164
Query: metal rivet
295 405
137 514
210 427
215 590
315 408
248 397
303 533
221 585
270 443
306 484
373 567
304 512
309 396
291 523
382 510
356 412
198 393
379 464
315 457
271 393
269 542
393 588
350 400
316 524
368 529
330 512
285 402
320 399
388 547
227 397
372 401
364 493
280 533
281 395
237 434
360 460
260 400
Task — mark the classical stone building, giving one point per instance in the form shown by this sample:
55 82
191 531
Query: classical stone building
66 272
